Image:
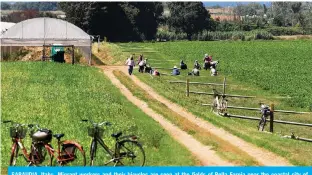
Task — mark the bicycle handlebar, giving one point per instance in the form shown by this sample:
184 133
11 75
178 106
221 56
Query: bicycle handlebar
7 121
33 125
13 123
97 124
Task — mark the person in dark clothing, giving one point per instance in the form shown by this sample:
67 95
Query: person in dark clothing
148 68
197 65
183 65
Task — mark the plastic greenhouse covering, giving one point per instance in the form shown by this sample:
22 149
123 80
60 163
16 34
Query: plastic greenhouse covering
47 31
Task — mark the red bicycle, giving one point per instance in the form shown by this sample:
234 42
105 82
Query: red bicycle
42 153
18 133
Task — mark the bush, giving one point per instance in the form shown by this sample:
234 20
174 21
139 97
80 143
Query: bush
77 56
170 36
278 31
263 35
238 35
14 56
215 36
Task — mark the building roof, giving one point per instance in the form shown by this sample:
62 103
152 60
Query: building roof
5 26
45 31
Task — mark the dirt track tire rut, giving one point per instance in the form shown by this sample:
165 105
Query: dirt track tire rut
203 153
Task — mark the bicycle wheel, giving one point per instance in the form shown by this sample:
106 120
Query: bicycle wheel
224 107
14 154
40 155
72 156
92 152
262 123
214 107
131 153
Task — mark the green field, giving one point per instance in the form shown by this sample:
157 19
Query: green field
57 96
266 69
282 67
222 147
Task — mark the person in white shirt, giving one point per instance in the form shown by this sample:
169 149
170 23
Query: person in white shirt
141 66
131 64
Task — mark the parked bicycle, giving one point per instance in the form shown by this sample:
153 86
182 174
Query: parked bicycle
41 151
18 133
127 150
265 111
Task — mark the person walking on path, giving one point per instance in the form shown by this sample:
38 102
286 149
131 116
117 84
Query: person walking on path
131 64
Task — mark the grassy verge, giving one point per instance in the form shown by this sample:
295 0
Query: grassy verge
57 96
295 151
222 147
108 53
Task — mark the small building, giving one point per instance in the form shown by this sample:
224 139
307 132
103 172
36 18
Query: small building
46 32
223 14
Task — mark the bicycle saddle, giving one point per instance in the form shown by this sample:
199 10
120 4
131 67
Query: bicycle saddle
58 136
116 135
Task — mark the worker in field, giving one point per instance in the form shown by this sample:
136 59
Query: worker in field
141 66
140 59
183 65
141 63
207 61
195 72
156 73
131 64
213 68
175 71
197 65
148 68
145 61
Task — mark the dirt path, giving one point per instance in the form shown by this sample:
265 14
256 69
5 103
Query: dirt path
261 155
203 153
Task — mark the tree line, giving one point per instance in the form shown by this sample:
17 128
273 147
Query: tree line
282 14
136 21
139 21
39 6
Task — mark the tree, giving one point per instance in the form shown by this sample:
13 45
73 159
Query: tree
47 14
281 13
41 6
265 9
5 6
188 17
296 7
20 16
118 21
249 9
147 18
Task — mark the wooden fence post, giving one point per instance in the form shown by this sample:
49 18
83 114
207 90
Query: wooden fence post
98 44
187 87
224 85
73 54
271 117
43 53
